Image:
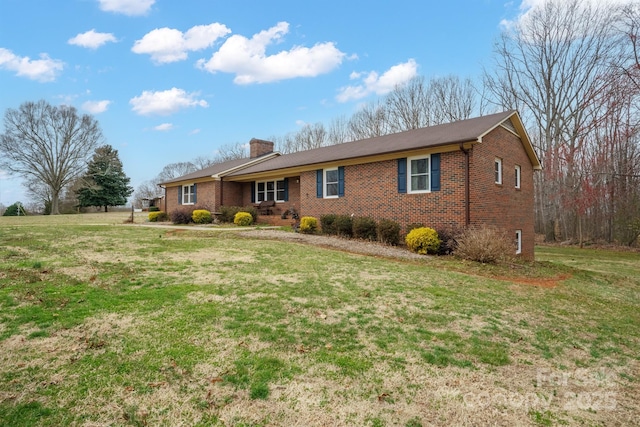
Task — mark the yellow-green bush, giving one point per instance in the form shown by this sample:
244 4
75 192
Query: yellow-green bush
308 224
158 216
243 219
201 216
423 240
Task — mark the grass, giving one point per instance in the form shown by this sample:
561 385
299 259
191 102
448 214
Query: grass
107 324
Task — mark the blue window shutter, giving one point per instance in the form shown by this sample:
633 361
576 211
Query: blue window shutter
402 175
435 172
253 191
195 194
319 183
180 194
341 181
286 189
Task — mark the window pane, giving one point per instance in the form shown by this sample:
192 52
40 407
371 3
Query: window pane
270 185
419 182
270 195
280 185
261 186
332 176
332 189
419 166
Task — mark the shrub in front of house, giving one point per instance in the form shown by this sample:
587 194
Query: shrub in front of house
327 224
364 227
201 216
158 216
343 225
308 225
388 232
228 213
448 239
181 216
154 209
243 219
423 240
485 244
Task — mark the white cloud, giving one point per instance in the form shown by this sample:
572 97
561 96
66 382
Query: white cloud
171 45
165 102
91 39
527 6
195 132
44 69
247 58
372 82
96 107
127 7
164 127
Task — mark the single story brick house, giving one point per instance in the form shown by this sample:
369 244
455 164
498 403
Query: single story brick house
465 173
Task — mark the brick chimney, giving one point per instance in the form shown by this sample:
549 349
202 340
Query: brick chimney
260 147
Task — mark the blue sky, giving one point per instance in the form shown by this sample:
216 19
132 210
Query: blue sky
173 80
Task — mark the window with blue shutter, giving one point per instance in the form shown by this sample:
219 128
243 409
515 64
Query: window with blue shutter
195 193
286 189
435 172
402 175
341 181
253 192
180 195
319 173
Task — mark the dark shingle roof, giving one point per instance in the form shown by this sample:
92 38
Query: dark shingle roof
469 130
210 170
433 136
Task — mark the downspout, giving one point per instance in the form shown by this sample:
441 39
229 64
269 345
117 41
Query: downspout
467 185
218 209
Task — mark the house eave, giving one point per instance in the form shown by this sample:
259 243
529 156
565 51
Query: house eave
297 170
252 162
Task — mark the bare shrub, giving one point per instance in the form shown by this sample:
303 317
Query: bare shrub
485 244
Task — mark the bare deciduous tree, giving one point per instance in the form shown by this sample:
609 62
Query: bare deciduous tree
48 144
370 121
552 65
174 170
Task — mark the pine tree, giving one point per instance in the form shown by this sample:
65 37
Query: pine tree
105 183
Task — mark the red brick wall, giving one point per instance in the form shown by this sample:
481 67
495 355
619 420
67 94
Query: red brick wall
372 190
502 205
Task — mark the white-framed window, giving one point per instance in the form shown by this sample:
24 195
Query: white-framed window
497 169
270 190
331 179
418 178
518 242
188 194
518 174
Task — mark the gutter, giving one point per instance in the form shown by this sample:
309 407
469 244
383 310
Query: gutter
467 185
